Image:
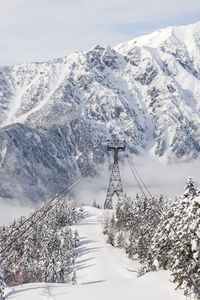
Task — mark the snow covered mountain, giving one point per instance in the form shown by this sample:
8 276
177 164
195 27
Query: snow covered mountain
57 115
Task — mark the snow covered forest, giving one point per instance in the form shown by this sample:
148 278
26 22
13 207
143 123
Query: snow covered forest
43 249
155 233
162 234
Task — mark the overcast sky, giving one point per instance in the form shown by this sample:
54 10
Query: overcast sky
38 30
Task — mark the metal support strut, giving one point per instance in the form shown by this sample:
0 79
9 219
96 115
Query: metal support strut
115 183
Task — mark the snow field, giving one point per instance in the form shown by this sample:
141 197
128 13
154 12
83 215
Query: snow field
103 272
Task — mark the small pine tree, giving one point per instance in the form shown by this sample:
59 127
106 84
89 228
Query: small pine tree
94 204
111 237
189 188
120 239
130 249
74 277
111 231
76 239
106 224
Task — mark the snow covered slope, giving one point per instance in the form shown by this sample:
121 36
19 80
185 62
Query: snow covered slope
57 115
103 272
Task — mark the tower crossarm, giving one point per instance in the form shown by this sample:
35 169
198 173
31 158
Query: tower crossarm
116 145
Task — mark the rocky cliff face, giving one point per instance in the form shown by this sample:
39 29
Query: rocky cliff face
56 116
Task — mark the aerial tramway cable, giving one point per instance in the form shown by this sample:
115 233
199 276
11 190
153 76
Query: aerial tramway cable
67 190
37 211
138 175
138 183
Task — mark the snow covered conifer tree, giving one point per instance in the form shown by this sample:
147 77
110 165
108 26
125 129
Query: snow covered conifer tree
94 204
53 270
47 249
111 231
76 239
28 270
106 223
124 212
189 188
121 239
111 237
74 277
67 254
131 247
2 285
176 242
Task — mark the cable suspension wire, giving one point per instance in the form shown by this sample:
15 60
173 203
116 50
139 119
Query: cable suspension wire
142 181
134 174
68 190
74 189
37 211
77 186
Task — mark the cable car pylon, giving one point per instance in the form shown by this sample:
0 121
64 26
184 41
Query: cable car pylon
115 183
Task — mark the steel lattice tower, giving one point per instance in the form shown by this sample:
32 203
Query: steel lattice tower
115 183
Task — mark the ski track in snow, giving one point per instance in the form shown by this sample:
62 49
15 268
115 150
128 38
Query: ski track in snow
103 272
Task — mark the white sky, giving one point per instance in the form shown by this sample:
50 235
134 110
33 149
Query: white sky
38 30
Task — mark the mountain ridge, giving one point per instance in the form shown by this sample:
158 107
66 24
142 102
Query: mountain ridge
149 96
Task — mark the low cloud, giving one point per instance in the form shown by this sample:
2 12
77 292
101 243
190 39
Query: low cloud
166 179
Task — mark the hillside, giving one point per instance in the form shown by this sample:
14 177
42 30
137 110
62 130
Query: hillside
103 272
56 116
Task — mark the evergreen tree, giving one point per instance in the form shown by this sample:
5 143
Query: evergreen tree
111 237
53 270
189 188
74 277
121 239
163 233
176 242
27 268
131 247
76 239
2 285
47 249
106 223
94 204
111 231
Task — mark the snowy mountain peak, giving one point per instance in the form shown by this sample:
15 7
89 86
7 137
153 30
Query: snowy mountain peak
185 34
